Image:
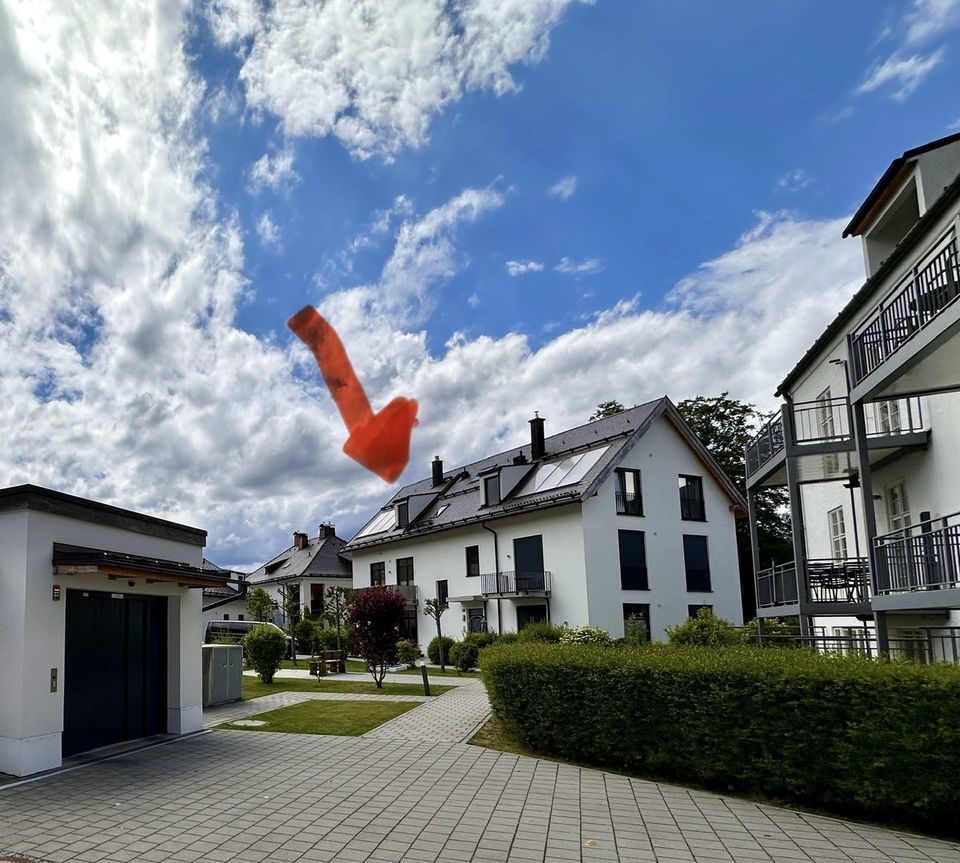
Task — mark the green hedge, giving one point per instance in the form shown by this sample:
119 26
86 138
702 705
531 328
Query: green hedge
845 734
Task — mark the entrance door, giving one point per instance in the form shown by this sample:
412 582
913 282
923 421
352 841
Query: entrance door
528 560
115 661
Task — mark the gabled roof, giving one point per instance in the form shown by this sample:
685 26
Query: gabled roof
888 183
233 589
587 453
320 558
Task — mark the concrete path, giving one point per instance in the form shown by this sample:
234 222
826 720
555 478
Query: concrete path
453 717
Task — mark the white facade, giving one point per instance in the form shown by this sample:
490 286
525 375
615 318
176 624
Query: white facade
32 627
581 553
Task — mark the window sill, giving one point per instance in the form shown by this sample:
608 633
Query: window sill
700 520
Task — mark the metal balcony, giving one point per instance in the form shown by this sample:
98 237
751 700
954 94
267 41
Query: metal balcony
826 587
777 586
629 504
921 561
507 584
407 591
768 443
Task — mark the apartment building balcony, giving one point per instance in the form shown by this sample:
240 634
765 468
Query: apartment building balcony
513 584
819 435
910 344
825 588
407 591
918 567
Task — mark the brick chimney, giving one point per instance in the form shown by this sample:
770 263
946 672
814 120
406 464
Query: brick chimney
437 466
327 530
299 539
537 447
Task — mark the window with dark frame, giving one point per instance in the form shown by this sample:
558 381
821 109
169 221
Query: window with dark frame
637 614
629 494
696 562
491 490
442 592
378 574
694 610
403 510
691 498
633 560
404 570
473 560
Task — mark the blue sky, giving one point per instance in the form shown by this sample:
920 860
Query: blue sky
502 207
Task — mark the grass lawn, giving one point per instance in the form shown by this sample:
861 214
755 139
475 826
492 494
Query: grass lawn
359 665
253 688
350 718
492 736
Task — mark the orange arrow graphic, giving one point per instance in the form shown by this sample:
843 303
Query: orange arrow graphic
379 441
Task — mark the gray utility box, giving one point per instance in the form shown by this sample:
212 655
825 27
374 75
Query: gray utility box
222 673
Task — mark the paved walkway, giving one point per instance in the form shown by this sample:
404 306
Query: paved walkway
405 793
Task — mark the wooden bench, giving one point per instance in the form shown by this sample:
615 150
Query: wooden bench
329 662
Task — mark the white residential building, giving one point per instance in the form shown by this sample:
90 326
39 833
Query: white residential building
99 624
625 516
866 441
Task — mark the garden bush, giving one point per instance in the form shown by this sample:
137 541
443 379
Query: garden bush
586 635
433 649
408 652
705 630
508 638
873 739
481 639
464 655
305 635
264 648
541 631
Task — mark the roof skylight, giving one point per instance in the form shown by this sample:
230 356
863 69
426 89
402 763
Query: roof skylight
566 471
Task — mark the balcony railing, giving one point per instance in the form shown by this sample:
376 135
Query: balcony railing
517 583
765 445
838 581
629 504
917 300
924 556
777 586
407 591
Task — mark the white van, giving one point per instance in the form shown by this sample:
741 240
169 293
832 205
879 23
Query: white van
220 631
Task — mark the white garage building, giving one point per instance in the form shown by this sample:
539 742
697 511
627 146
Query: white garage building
99 619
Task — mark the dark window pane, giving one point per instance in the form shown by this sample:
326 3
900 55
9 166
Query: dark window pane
629 496
633 560
636 620
403 517
473 560
527 614
408 626
691 498
491 490
404 570
442 592
696 562
378 574
694 610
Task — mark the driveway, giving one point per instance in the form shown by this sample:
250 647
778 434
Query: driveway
240 796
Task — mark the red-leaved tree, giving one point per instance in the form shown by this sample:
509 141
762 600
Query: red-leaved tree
376 615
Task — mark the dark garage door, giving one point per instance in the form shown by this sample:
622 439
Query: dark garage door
114 670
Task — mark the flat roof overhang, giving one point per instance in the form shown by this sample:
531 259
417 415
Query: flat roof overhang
77 560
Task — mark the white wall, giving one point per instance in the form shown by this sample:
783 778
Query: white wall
661 456
30 733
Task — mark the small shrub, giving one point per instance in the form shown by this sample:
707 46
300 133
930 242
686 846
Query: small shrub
433 648
464 655
705 630
541 631
508 638
635 631
772 632
408 652
264 648
480 639
305 635
586 635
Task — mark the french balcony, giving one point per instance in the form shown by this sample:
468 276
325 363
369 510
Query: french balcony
407 591
629 504
918 567
512 584
827 587
910 343
820 437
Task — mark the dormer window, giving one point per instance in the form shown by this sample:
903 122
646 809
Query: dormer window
403 514
491 490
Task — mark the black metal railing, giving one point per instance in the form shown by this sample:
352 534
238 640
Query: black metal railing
917 300
924 556
923 644
531 581
765 445
629 504
407 591
777 586
838 581
821 420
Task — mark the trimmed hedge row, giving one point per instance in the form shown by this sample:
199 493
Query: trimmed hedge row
846 734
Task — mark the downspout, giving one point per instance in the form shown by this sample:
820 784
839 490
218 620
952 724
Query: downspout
496 566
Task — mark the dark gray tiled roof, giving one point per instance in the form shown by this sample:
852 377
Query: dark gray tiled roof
321 558
226 590
462 497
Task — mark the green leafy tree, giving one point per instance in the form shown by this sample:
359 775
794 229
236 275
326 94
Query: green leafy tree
335 604
725 426
433 608
607 409
260 605
375 615
264 648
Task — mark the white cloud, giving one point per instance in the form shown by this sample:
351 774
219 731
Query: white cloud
570 267
473 300
268 232
930 18
563 188
794 181
373 73
904 73
520 268
274 172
